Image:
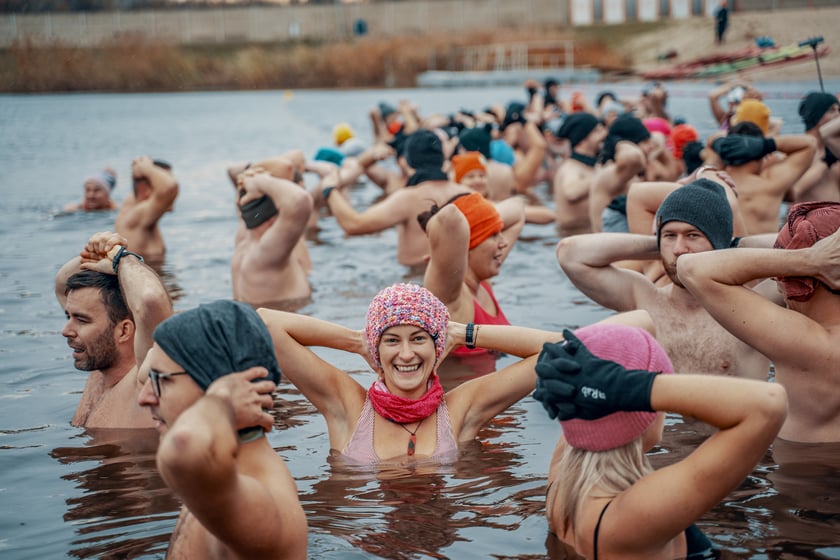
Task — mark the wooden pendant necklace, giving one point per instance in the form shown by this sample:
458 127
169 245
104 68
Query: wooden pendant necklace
412 437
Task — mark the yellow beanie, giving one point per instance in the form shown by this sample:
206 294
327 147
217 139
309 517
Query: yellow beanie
342 132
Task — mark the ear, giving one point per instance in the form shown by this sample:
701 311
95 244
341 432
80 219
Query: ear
124 331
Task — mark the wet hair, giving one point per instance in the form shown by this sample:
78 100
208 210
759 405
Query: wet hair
424 217
109 292
746 128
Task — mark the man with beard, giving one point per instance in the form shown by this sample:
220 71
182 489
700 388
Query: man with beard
113 302
692 219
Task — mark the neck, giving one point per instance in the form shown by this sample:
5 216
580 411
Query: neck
587 160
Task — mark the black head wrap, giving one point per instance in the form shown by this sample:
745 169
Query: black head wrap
424 149
424 154
216 339
813 106
476 140
624 127
577 126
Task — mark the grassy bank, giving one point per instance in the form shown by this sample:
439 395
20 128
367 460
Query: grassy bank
136 65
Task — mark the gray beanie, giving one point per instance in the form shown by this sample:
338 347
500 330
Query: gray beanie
703 204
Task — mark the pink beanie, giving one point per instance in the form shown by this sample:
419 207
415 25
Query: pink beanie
406 304
633 348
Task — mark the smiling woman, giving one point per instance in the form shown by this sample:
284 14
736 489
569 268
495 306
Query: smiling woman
405 414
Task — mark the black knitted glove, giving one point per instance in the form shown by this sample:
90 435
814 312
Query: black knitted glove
738 149
574 383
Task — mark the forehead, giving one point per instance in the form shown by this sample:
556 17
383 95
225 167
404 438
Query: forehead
157 359
680 227
94 185
403 330
88 300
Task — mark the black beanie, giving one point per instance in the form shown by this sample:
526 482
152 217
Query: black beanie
628 127
476 140
515 113
703 204
813 106
424 150
624 127
577 126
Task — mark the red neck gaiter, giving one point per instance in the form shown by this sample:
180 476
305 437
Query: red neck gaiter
402 410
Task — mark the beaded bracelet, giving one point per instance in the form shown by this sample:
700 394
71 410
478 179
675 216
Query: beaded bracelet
120 254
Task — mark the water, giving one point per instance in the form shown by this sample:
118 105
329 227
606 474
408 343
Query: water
67 493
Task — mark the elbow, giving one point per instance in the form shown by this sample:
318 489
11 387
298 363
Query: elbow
773 406
688 272
182 453
565 251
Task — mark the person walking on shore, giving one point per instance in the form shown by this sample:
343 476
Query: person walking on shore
721 21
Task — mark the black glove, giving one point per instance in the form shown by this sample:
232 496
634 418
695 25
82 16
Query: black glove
738 149
574 383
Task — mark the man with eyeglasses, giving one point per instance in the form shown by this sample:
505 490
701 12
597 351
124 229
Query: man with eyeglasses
208 382
113 302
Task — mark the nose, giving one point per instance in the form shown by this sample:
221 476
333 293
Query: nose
680 246
406 352
67 332
502 241
147 395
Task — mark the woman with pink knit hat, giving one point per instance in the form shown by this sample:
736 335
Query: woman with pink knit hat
404 415
604 500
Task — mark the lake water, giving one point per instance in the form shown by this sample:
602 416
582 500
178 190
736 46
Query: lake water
68 493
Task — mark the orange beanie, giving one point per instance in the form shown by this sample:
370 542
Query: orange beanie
482 216
681 135
469 161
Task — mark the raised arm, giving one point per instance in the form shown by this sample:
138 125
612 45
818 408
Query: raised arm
164 192
294 206
716 279
382 215
799 149
254 518
477 401
748 415
587 261
332 391
610 181
525 169
141 287
830 133
449 240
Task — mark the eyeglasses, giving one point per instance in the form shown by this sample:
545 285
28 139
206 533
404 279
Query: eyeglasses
156 376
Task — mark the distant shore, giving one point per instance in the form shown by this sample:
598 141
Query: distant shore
618 51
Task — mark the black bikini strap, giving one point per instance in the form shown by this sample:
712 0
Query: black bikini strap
597 529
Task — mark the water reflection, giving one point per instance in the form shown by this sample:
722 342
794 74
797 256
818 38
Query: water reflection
125 509
421 509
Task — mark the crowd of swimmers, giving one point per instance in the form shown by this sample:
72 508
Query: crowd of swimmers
720 257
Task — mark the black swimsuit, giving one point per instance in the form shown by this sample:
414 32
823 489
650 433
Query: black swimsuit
697 546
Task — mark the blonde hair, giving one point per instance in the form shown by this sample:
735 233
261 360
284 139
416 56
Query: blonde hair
612 471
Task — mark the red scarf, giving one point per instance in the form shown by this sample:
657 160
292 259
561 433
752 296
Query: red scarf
402 410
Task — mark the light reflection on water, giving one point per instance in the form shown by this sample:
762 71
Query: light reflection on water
70 493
